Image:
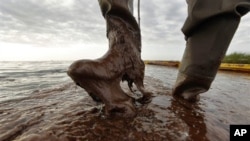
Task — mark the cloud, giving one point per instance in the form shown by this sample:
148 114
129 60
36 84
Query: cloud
161 24
56 23
50 21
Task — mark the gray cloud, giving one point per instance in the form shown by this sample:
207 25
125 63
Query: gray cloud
161 24
49 23
46 22
161 21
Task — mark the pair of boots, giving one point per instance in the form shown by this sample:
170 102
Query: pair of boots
209 29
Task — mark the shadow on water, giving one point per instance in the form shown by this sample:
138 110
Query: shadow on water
66 113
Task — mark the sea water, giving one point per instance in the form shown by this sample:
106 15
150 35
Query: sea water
20 79
38 101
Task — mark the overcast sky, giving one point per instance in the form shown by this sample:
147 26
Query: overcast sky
75 29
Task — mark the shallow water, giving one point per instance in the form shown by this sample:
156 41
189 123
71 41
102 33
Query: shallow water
53 108
19 79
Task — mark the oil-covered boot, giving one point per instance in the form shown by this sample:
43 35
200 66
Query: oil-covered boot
122 62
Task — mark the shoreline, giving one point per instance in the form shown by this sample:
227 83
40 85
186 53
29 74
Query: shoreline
224 66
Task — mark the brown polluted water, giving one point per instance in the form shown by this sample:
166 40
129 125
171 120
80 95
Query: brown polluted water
67 113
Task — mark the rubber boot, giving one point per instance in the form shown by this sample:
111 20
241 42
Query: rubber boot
123 9
205 49
122 62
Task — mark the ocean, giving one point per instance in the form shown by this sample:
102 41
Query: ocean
20 79
38 101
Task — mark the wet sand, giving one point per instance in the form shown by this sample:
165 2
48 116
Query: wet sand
66 113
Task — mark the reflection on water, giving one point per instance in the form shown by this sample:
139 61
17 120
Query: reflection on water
65 112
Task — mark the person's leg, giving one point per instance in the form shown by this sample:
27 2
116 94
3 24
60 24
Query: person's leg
122 62
208 36
130 44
